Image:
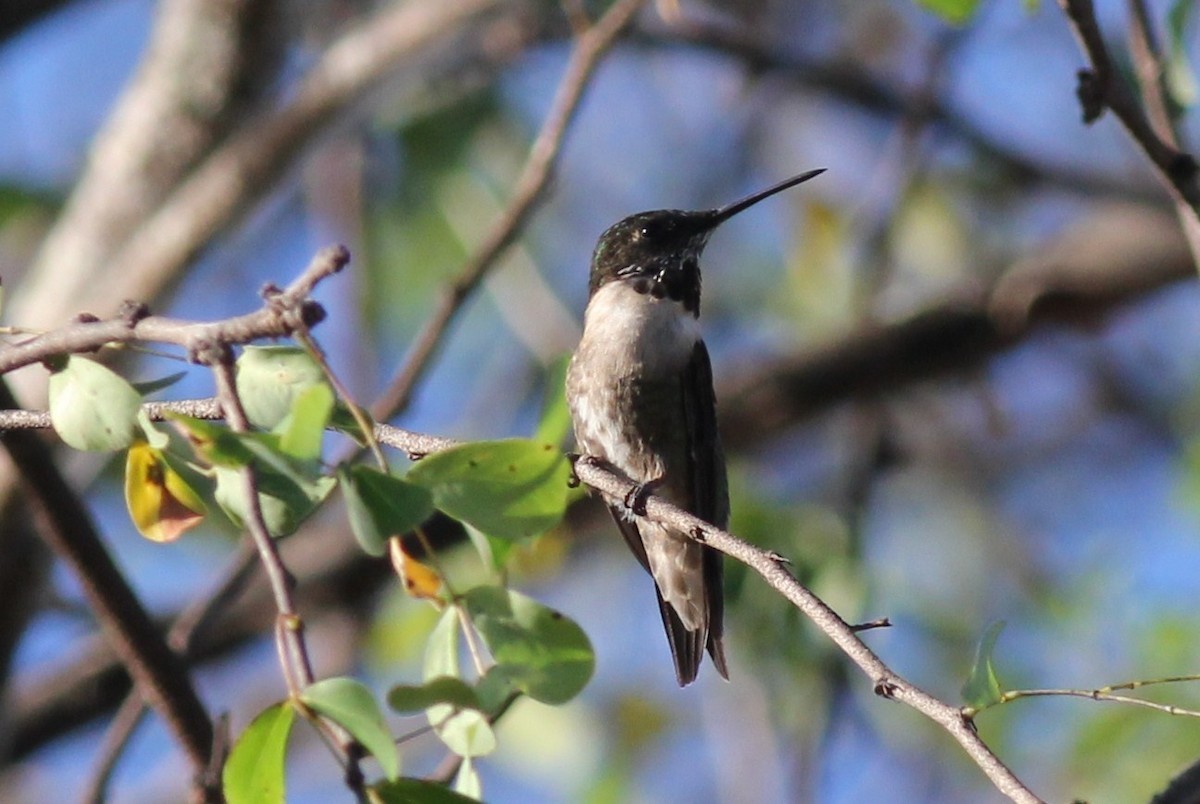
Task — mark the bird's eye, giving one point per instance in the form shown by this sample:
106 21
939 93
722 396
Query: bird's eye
657 230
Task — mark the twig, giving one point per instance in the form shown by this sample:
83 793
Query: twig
285 312
1148 66
360 416
1105 693
589 48
886 682
120 730
1095 695
289 627
1102 87
297 666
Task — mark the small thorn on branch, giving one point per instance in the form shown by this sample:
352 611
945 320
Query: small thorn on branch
780 558
132 312
882 622
205 352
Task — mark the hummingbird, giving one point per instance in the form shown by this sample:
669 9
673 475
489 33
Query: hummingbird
640 392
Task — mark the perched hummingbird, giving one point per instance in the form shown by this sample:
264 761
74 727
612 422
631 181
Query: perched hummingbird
640 391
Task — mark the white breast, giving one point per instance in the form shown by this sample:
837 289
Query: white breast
643 333
626 335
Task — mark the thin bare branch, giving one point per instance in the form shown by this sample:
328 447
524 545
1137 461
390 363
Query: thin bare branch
1148 66
887 683
589 48
1102 87
116 738
297 666
289 627
1093 695
284 313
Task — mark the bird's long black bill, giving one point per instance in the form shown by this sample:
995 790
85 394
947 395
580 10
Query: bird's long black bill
728 211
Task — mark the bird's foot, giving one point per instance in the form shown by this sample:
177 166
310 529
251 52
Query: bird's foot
635 500
572 478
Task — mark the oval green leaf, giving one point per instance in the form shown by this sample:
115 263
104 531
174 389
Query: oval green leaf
91 407
543 653
380 506
284 502
443 689
253 773
467 781
150 386
466 732
509 489
352 706
982 688
302 430
269 378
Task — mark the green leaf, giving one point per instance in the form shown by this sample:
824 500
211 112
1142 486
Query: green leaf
417 791
494 552
344 422
154 436
380 506
466 732
508 489
351 705
150 386
254 771
213 442
495 689
555 421
284 502
955 12
982 688
441 690
269 378
91 407
467 782
301 431
289 489
441 649
543 653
